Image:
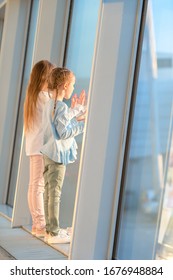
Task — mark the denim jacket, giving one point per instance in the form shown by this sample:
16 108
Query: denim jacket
59 132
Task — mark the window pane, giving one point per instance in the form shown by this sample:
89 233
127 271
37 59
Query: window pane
79 55
19 127
81 41
149 173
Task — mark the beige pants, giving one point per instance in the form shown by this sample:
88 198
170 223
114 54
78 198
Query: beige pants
35 191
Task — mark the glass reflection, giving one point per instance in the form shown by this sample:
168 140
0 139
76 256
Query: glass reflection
164 248
148 179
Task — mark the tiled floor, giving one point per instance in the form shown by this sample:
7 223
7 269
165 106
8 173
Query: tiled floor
19 244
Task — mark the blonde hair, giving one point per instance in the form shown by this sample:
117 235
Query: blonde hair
57 78
38 77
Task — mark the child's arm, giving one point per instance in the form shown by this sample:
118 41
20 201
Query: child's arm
76 111
66 126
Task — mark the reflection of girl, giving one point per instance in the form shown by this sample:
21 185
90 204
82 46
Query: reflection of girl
61 125
36 97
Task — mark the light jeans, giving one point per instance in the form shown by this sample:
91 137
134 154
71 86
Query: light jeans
54 177
35 192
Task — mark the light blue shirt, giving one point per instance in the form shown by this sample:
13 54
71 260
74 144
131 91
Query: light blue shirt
59 131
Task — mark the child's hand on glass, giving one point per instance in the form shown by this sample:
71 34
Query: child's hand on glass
74 101
78 100
82 98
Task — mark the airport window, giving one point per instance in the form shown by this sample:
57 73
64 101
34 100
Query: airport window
19 125
78 58
145 229
14 25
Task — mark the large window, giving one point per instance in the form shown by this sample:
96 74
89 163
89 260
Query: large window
19 124
145 230
79 55
14 19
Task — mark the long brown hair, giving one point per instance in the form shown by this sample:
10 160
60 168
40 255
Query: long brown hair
57 78
38 77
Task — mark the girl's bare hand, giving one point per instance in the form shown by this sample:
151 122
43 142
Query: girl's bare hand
82 98
74 101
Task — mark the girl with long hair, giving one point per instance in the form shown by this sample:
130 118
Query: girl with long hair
36 98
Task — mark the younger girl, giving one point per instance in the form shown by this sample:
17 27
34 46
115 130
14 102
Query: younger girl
36 97
59 146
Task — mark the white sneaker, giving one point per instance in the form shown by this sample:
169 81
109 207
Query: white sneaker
61 238
69 230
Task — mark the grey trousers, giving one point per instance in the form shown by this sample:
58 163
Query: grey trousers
54 174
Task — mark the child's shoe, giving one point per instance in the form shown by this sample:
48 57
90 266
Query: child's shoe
33 231
69 230
40 232
61 238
